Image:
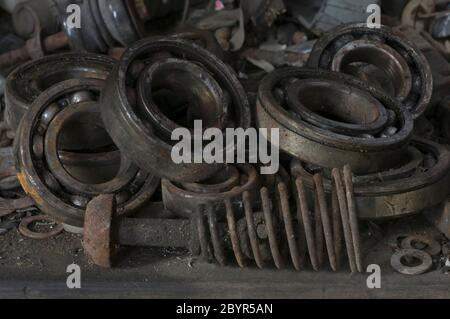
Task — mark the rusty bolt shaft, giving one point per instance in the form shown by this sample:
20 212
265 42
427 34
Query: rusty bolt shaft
49 44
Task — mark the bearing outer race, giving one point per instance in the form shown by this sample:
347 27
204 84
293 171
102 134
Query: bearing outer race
317 146
89 65
32 183
404 196
148 152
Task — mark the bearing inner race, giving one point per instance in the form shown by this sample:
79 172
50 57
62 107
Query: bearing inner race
174 93
396 76
336 107
124 176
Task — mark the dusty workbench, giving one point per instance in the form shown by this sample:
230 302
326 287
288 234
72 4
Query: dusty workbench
37 269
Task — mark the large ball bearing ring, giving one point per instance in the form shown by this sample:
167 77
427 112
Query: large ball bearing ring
379 57
42 175
419 183
140 117
310 131
29 80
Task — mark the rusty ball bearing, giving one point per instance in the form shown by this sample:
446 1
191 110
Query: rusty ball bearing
29 80
418 183
348 123
379 57
167 83
56 190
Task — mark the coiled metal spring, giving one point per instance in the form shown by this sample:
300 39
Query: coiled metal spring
316 232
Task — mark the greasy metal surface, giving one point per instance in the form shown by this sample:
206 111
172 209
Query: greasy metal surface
45 187
29 80
403 65
313 144
125 122
424 187
260 238
356 112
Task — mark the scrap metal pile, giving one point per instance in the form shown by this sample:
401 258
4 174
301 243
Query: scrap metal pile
363 115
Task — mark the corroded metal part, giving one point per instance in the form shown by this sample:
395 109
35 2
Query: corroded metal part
104 231
184 199
398 262
398 67
29 80
126 121
325 148
355 111
24 230
97 235
400 194
58 194
425 243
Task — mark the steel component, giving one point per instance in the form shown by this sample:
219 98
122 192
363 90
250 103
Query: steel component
55 192
24 229
126 120
104 231
410 189
399 261
388 61
29 80
258 236
319 146
425 243
34 48
185 199
360 112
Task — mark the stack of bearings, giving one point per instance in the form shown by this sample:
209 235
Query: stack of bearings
329 119
332 125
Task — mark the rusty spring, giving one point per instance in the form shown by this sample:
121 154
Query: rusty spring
315 232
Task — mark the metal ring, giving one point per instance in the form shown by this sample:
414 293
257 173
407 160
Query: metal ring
396 56
124 122
124 176
345 110
397 262
431 246
425 186
24 230
29 80
206 96
322 147
185 202
40 183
